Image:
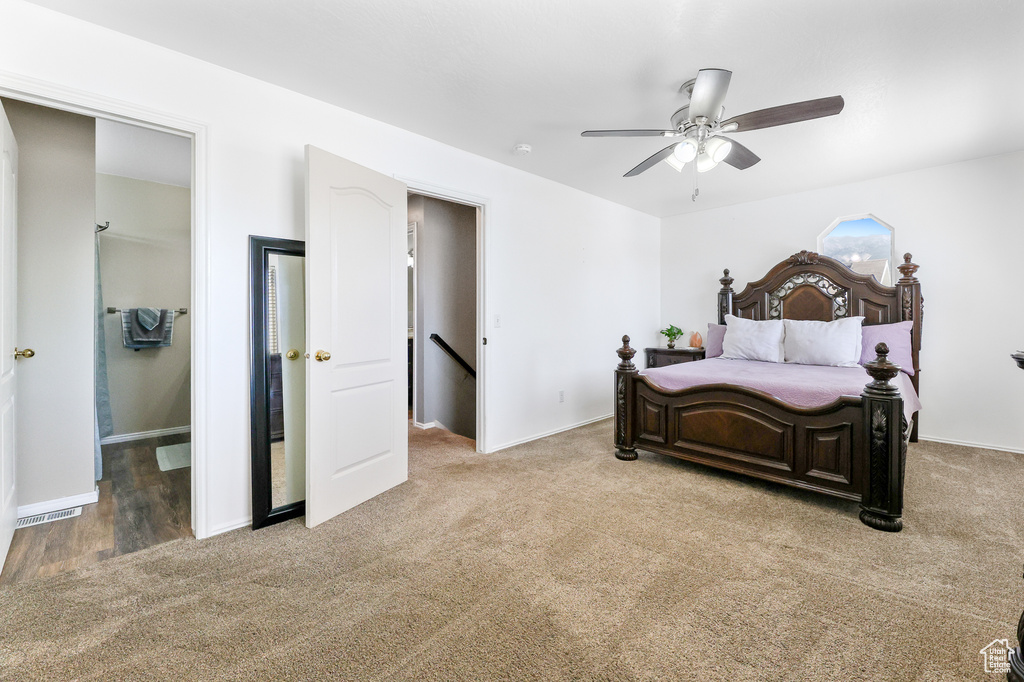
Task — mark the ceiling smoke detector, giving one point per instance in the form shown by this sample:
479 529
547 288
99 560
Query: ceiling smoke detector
521 149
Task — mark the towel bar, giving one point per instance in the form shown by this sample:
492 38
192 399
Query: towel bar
180 311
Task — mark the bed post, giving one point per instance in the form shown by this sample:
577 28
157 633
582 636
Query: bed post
624 396
1016 673
912 309
725 297
882 503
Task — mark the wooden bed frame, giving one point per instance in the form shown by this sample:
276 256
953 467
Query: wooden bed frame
854 448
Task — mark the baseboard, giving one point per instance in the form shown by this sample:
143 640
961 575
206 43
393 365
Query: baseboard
551 433
970 444
58 504
142 435
230 526
431 425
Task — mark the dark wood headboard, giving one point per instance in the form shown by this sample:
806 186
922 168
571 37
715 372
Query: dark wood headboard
807 286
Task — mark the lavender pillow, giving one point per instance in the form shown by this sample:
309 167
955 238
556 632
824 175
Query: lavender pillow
713 344
896 336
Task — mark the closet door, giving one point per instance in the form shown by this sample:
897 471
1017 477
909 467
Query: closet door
8 337
356 289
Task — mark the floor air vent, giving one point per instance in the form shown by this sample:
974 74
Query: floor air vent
46 518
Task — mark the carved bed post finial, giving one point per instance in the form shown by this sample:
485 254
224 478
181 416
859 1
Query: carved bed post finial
725 297
625 395
882 371
882 504
626 355
907 269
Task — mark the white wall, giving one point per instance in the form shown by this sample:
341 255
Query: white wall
145 260
446 298
568 273
56 207
961 222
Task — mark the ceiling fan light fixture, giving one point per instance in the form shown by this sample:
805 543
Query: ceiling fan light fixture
718 148
705 162
674 162
685 151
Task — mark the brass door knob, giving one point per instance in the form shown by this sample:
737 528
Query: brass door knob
322 356
27 353
292 354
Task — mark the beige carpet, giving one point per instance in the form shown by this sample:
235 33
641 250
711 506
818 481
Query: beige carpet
553 561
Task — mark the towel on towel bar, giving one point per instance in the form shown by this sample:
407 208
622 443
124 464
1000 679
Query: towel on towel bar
136 336
148 318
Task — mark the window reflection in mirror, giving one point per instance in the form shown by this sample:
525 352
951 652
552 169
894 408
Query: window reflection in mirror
286 344
864 244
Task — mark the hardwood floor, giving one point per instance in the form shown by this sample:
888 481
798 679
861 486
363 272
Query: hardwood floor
139 506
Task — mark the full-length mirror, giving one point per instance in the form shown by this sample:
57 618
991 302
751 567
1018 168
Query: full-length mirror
278 384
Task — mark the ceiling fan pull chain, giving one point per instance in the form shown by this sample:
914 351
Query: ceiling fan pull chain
696 190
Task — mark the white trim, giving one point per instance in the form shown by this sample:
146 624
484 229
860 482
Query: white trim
552 432
430 425
231 525
142 435
58 504
483 210
971 444
77 101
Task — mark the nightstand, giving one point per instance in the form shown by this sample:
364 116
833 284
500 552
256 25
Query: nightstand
662 357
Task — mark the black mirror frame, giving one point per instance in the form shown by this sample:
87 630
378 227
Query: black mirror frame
263 514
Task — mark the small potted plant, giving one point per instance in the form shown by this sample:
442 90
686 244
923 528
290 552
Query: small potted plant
672 332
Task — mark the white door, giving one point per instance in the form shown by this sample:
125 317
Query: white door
357 420
8 319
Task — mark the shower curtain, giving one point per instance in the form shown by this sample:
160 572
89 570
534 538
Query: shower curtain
104 422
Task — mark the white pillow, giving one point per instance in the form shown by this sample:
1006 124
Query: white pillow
836 343
753 340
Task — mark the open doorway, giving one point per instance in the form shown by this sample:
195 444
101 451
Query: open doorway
112 474
444 315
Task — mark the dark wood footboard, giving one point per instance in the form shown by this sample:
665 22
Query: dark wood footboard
854 448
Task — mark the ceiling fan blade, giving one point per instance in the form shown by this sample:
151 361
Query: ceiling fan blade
787 113
627 133
709 93
651 161
739 156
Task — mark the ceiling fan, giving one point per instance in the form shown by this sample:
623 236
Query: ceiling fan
701 126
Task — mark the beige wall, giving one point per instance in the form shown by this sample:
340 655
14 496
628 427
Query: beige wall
56 208
145 260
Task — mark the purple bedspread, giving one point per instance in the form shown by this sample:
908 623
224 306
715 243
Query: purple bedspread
800 385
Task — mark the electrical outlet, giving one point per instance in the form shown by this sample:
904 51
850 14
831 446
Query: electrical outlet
497 321
561 396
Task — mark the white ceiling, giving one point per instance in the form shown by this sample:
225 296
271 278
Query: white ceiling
926 82
135 152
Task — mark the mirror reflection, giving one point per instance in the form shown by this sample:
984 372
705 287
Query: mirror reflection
286 343
862 243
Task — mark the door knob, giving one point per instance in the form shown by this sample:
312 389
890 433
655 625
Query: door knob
322 356
27 353
292 354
